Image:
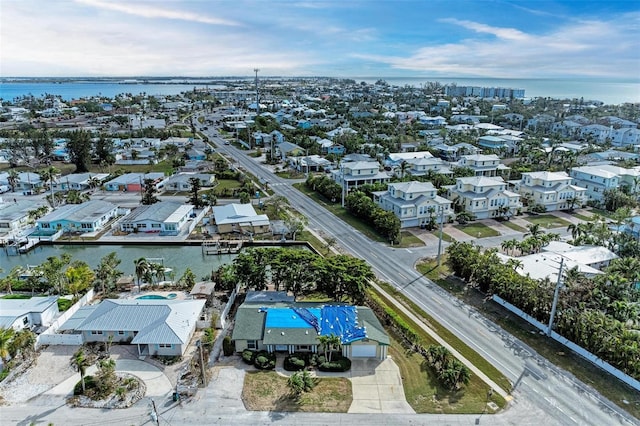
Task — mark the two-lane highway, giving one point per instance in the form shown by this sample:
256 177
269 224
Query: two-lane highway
555 396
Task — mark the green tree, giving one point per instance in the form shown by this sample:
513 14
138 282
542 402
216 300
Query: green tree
79 277
80 362
195 198
188 279
79 146
330 343
6 337
142 268
299 382
52 270
107 273
149 192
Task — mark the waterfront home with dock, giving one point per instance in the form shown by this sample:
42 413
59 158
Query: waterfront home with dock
165 218
86 217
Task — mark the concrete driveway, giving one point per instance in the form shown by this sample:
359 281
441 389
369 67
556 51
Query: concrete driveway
377 387
158 385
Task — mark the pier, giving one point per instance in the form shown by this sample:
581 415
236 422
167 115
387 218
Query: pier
221 247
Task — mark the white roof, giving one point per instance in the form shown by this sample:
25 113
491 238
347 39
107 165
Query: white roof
12 309
397 156
237 213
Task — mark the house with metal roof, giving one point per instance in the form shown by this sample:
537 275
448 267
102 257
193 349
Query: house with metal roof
281 325
133 181
91 216
15 215
28 313
484 197
553 190
240 218
78 181
182 181
165 218
156 327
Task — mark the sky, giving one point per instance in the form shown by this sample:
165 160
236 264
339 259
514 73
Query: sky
342 38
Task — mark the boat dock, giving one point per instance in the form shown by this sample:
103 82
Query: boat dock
221 247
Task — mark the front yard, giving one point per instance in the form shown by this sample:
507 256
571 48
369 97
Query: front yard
478 230
547 221
268 391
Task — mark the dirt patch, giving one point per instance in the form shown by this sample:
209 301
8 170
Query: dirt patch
268 391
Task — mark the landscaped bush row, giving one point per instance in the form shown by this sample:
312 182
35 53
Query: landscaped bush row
299 361
262 360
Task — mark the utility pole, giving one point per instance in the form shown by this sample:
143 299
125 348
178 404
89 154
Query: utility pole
257 93
154 414
441 208
343 181
556 293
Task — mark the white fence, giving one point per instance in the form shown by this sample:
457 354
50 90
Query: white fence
50 336
222 321
634 383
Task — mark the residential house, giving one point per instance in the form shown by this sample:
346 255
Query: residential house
240 218
276 323
156 327
484 165
289 149
545 265
352 174
339 131
28 313
78 181
597 132
165 218
455 152
596 179
625 136
309 163
414 203
133 182
90 216
553 190
422 166
395 159
14 216
484 197
182 181
597 257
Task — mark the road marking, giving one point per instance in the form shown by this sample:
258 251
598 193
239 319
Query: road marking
373 254
481 333
401 275
436 300
409 251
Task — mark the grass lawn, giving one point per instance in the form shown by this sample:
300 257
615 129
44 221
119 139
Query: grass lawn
290 174
445 237
485 366
224 184
513 226
601 212
315 242
316 296
478 230
582 217
425 395
16 296
407 239
547 221
268 391
607 385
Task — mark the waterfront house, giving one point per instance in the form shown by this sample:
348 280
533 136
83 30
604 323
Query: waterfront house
414 203
274 322
28 313
156 327
483 196
553 190
164 218
14 216
240 218
90 216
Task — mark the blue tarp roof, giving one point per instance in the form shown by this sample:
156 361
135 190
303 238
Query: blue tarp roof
330 319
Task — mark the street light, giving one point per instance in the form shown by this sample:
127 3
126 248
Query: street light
441 209
556 293
202 369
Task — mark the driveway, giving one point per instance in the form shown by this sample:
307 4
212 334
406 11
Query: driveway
377 387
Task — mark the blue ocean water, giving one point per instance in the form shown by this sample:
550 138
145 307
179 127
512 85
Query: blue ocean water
607 91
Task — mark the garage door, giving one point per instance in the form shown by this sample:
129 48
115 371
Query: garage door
363 351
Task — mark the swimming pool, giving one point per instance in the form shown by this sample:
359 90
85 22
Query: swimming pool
158 296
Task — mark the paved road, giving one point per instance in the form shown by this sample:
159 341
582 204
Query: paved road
556 395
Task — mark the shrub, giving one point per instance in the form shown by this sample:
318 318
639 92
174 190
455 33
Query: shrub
89 383
228 347
248 356
336 365
296 362
265 361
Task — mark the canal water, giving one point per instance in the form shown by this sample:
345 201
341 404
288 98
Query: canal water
178 258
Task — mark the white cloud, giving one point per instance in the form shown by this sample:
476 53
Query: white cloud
578 48
151 11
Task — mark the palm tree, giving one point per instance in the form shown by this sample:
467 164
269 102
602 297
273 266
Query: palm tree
509 245
13 179
329 343
142 267
93 182
80 362
6 337
534 230
50 174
